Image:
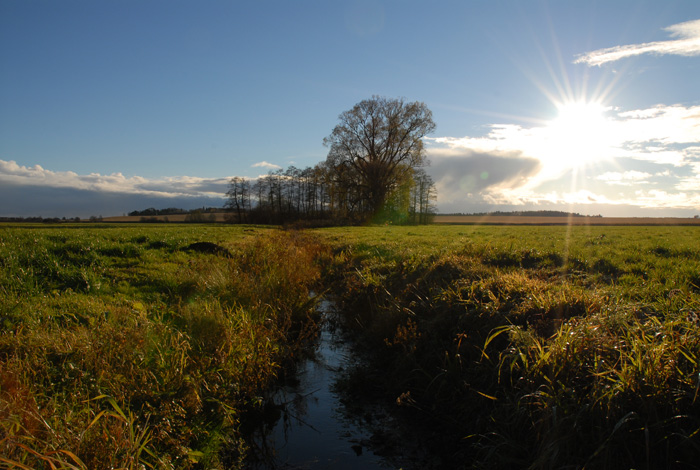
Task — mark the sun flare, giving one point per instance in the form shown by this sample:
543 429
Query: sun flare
580 114
580 134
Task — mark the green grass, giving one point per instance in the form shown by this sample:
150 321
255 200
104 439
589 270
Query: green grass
121 349
534 347
522 347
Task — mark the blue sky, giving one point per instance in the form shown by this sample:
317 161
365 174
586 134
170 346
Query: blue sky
112 106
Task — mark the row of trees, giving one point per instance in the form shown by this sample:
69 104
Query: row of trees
320 194
151 211
49 220
374 172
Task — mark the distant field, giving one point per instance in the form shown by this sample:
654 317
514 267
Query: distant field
523 220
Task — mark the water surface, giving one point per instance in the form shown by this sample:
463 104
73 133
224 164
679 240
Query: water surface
311 431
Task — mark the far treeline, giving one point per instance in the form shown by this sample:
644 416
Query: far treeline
153 212
373 173
526 214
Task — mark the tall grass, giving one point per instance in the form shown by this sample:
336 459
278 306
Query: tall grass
533 347
119 348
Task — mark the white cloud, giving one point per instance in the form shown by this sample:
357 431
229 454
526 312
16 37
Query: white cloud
691 183
583 196
36 191
664 124
533 198
688 44
627 178
12 174
265 164
665 199
652 199
661 134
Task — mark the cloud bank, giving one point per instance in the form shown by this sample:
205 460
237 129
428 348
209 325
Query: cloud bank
627 178
465 174
687 44
36 191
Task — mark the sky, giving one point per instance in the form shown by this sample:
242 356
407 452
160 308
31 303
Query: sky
119 105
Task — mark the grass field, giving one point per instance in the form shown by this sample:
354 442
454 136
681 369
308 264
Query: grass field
529 220
539 347
131 346
513 346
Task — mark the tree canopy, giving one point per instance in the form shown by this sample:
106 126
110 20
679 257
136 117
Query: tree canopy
377 145
373 172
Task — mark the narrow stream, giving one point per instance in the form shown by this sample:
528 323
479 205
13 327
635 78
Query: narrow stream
309 430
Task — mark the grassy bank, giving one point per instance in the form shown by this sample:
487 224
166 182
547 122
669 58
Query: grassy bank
125 347
532 347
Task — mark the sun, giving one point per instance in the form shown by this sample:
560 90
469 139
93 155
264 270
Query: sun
580 135
579 114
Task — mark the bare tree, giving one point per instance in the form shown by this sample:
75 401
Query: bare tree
375 142
239 197
423 197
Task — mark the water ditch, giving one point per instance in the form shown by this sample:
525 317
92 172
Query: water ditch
307 424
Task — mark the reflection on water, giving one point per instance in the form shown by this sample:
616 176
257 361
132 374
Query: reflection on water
307 429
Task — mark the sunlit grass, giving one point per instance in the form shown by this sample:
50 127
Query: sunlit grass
120 348
534 347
